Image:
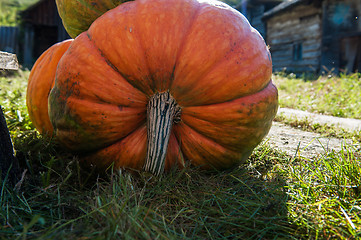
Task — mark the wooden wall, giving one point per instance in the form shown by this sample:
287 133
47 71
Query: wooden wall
9 39
42 27
295 39
254 11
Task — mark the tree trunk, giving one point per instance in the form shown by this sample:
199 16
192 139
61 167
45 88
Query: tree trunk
9 166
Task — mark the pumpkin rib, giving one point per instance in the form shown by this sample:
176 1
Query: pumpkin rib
183 42
152 85
174 154
116 151
204 146
215 66
242 111
269 91
219 62
231 100
239 45
72 69
222 129
184 37
94 117
225 130
112 65
207 137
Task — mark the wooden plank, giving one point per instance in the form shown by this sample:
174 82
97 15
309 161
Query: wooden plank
296 32
311 55
8 61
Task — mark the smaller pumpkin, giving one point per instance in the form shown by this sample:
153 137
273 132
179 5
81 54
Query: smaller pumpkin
78 15
41 81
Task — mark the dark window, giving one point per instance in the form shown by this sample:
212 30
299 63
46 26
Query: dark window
297 51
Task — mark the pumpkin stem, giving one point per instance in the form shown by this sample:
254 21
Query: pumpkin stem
162 112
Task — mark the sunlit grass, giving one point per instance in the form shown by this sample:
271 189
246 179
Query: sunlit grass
336 96
324 195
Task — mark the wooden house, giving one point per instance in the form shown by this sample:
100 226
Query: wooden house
253 10
42 27
315 36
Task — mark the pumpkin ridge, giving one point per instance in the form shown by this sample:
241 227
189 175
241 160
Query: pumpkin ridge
230 100
214 66
183 42
86 153
207 137
135 32
231 145
267 96
112 65
207 162
138 110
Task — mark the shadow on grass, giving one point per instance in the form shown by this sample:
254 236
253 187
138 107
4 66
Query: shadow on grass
58 200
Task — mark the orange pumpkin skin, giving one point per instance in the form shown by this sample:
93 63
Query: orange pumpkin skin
214 64
41 81
78 15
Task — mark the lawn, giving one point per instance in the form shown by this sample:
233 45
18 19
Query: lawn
336 96
271 196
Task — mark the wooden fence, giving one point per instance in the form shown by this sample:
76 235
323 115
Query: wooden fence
9 39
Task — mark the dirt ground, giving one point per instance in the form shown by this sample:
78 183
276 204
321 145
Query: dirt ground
307 144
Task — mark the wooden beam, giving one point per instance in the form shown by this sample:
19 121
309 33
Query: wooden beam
8 61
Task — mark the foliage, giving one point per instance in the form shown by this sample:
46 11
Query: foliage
271 196
12 100
9 10
336 96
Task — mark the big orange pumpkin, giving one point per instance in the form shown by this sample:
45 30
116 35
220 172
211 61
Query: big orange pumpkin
41 81
78 15
155 83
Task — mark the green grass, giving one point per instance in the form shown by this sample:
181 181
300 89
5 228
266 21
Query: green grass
271 196
336 96
9 10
